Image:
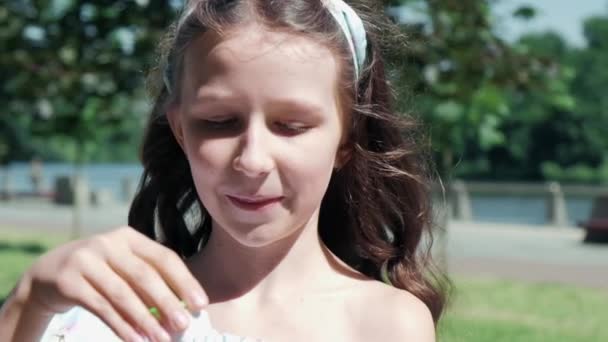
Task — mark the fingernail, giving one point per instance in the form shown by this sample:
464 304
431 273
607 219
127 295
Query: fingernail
199 300
135 337
180 320
162 335
140 336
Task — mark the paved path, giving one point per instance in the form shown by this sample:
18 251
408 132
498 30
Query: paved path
40 216
531 253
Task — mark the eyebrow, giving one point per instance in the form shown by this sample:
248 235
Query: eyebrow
300 105
215 96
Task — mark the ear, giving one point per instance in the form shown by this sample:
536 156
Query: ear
343 155
175 123
345 149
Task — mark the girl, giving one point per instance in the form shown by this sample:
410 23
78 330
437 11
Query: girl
278 178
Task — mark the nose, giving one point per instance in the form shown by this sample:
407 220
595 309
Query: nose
254 158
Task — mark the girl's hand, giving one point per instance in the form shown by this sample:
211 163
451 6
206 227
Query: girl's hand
117 276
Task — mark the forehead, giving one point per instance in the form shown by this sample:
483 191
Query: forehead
257 63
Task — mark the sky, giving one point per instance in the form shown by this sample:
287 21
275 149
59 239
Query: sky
563 16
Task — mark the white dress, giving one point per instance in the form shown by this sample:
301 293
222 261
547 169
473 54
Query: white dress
79 324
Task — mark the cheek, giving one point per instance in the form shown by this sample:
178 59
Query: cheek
209 160
207 153
310 169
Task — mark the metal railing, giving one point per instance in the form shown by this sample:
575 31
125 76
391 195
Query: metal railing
460 193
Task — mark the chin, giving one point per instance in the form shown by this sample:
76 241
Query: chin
259 236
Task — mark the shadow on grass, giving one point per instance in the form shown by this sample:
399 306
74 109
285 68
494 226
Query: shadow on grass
24 247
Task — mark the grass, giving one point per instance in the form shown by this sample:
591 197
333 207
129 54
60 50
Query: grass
481 309
501 310
18 251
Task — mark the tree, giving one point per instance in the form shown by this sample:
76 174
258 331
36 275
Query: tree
80 67
562 137
465 77
589 88
539 115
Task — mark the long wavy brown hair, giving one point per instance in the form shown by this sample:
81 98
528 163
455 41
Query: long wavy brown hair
380 198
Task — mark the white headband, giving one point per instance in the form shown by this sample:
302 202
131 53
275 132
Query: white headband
350 23
353 29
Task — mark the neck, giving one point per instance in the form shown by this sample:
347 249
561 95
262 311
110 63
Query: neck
273 271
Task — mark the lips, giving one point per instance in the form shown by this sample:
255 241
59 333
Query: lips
253 203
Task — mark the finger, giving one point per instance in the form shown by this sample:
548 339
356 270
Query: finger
149 284
173 269
124 300
89 298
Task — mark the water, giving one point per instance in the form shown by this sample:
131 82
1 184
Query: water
526 210
99 176
499 209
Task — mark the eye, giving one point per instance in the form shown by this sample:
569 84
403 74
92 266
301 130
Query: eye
292 128
220 124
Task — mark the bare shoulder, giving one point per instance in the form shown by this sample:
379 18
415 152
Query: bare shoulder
392 314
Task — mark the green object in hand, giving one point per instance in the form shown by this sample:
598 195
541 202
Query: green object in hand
156 313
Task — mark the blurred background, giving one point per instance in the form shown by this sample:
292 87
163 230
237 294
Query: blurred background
512 94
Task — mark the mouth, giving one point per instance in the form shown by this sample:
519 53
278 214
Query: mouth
254 203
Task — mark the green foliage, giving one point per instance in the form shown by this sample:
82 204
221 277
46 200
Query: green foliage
465 78
81 70
553 171
525 12
530 110
561 133
595 30
14 138
506 111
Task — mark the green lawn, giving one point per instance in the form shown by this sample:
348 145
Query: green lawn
18 251
500 310
481 309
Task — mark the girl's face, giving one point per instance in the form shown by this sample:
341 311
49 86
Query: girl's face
260 125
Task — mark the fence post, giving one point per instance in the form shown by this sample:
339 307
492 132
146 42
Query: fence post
80 202
462 201
128 189
557 214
